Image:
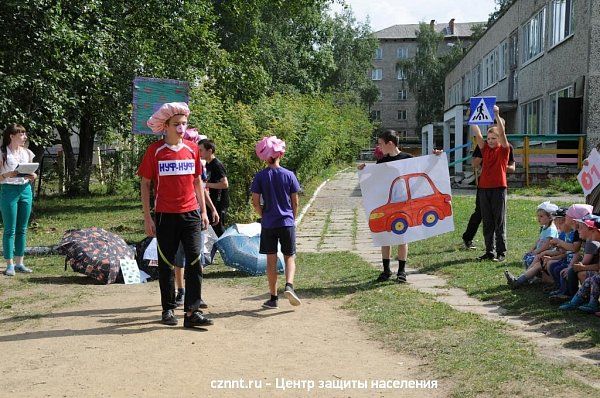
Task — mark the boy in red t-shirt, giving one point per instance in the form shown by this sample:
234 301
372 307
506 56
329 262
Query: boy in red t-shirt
173 165
492 185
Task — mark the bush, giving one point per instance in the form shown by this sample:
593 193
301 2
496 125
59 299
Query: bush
319 131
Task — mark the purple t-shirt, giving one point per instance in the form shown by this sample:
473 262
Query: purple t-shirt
276 186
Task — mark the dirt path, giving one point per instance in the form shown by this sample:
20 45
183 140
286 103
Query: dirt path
114 346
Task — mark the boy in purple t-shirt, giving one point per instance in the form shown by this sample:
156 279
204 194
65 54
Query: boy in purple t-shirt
278 188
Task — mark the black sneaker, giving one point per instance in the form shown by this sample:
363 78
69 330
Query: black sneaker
180 297
401 277
292 297
468 245
168 318
384 276
202 304
510 279
486 257
500 258
270 304
196 319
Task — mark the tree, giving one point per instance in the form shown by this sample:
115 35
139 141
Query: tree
427 71
352 45
70 65
502 6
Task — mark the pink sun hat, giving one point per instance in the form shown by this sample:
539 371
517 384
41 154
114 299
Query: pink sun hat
193 135
270 147
577 211
158 121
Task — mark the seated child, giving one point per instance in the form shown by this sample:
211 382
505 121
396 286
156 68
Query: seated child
579 271
591 284
533 259
572 245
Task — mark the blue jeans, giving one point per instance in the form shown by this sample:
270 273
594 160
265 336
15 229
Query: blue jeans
15 205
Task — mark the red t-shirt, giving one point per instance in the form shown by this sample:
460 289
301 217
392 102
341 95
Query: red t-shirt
173 170
493 173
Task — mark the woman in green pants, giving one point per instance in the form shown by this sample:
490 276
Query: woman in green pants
15 197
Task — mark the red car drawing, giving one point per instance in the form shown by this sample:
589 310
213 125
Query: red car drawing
413 200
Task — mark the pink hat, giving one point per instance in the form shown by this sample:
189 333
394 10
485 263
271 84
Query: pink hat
577 211
192 135
158 121
591 220
270 147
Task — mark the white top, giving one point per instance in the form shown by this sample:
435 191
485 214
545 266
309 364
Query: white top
21 155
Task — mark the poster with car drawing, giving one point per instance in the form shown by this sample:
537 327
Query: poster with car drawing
407 200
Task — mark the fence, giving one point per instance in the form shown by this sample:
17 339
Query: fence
530 148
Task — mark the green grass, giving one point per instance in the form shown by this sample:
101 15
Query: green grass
552 187
54 215
475 356
443 256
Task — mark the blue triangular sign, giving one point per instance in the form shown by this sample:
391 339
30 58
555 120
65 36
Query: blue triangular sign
482 110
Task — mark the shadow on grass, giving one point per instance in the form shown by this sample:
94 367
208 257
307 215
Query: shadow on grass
531 305
63 280
225 274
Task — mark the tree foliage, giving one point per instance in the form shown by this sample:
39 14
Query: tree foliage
67 67
427 71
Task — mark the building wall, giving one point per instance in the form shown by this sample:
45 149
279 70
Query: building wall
556 67
389 85
592 104
389 104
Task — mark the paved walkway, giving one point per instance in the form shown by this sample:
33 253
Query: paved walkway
336 221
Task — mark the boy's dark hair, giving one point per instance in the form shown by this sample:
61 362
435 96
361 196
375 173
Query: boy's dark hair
208 145
389 135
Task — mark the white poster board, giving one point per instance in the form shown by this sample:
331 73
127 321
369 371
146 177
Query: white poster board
407 200
589 176
130 270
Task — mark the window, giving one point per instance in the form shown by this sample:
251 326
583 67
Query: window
533 35
531 117
379 53
402 52
402 95
476 80
419 187
402 133
553 105
375 115
454 94
490 71
399 193
562 20
377 74
467 85
513 50
401 114
502 59
401 75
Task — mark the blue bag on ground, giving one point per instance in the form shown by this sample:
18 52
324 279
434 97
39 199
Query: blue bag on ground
239 247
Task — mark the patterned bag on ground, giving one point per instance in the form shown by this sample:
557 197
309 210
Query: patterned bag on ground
145 264
95 252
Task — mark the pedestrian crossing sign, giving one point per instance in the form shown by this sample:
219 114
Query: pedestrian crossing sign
482 110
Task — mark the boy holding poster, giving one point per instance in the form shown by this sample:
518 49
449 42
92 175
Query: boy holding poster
388 144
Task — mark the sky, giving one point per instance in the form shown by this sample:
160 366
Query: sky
385 13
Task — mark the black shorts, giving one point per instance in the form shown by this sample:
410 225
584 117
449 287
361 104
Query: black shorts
286 236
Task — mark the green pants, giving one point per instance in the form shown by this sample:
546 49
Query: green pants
15 205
